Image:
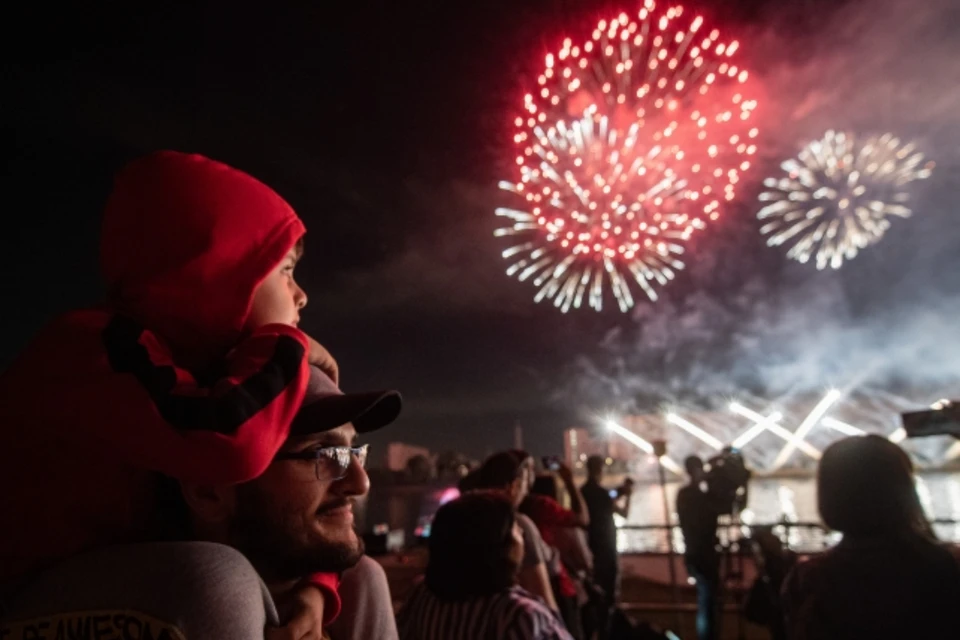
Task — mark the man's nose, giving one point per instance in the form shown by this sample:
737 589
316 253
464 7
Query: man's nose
356 482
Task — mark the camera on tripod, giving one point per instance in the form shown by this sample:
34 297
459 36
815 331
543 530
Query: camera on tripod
726 475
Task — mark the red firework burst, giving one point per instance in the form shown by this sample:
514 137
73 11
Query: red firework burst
632 141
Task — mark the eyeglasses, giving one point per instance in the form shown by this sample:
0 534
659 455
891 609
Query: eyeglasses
332 463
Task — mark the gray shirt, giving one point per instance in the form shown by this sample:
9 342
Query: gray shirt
366 611
164 591
533 544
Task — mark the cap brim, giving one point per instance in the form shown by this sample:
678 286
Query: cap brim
366 411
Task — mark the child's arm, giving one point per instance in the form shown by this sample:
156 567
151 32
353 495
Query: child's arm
312 606
319 357
225 431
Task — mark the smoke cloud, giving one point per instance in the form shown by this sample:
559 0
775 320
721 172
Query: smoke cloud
770 332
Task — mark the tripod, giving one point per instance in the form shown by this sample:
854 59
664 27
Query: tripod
731 572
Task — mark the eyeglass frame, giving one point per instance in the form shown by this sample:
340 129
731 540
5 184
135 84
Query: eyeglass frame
318 453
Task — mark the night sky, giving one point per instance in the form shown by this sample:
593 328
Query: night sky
386 125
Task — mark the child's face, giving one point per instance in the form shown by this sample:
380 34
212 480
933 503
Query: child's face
279 298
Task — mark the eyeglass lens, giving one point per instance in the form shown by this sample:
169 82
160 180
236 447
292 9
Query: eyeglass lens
334 462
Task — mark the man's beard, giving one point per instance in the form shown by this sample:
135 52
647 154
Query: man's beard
277 545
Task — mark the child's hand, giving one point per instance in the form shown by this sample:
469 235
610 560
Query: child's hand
321 358
305 620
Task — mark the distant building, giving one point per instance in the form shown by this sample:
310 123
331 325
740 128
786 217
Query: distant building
399 454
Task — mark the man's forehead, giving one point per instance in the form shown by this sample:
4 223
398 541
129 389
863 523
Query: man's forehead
342 435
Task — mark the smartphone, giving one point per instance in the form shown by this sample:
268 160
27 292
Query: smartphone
551 463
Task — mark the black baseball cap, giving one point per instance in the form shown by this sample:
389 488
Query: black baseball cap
326 407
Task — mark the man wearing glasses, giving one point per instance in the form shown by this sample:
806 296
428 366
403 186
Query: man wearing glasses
297 518
293 521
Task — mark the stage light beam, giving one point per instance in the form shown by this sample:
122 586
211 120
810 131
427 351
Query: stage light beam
643 445
694 430
812 419
775 429
757 429
842 427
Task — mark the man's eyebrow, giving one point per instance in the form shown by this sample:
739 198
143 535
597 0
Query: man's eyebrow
322 440
310 442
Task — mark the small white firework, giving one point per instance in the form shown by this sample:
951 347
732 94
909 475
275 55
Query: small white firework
839 195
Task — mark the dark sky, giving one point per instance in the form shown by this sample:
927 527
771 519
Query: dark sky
384 124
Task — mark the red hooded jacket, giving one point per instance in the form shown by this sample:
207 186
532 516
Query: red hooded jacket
103 398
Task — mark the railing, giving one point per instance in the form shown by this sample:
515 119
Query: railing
803 537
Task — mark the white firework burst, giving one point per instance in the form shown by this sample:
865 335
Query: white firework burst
839 195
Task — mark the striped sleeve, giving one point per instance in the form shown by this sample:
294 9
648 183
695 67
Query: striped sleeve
509 615
532 620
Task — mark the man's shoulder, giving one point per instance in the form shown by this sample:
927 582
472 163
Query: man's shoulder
195 589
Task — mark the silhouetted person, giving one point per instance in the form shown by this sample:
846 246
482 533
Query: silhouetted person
470 591
698 512
602 537
888 577
773 563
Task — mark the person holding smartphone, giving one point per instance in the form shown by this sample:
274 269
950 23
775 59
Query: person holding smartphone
541 506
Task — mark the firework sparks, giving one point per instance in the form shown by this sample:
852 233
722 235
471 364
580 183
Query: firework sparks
838 196
632 141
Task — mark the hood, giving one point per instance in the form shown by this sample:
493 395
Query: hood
185 242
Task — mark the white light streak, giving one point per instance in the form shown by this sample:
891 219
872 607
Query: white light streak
806 426
842 427
761 425
694 430
643 445
775 429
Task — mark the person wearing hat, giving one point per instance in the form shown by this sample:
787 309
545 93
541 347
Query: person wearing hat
294 520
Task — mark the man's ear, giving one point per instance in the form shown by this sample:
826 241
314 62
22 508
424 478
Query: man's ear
209 504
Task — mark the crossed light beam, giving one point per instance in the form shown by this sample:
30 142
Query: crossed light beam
806 427
770 423
794 440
